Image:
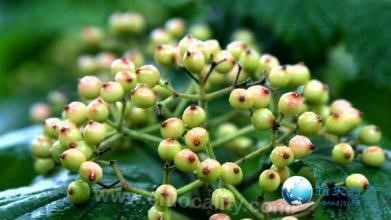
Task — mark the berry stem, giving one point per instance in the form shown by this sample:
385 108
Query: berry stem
166 172
189 187
210 151
122 114
141 136
218 93
182 104
226 139
175 93
150 129
256 153
106 143
245 203
223 118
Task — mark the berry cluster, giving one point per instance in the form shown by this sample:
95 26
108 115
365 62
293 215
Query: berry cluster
280 99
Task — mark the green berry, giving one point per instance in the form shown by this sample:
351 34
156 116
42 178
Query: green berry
176 27
278 77
194 61
223 199
158 213
233 74
298 74
340 105
227 65
69 134
166 55
135 56
226 129
71 159
165 195
261 96
185 43
160 36
126 23
186 161
168 148
127 80
209 170
281 156
284 173
316 92
236 48
268 62
94 132
172 128
50 125
337 124
138 116
269 180
79 192
200 31
194 116
87 64
56 150
41 146
76 112
309 123
357 181
241 99
197 138
143 97
161 91
203 48
353 117
374 156
89 87
98 110
290 104
301 146
122 64
263 119
219 216
44 166
343 154
83 147
111 92
240 145
249 60
148 75
90 172
370 135
213 46
231 173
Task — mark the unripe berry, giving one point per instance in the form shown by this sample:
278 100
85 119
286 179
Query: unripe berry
316 92
111 91
122 64
269 180
50 125
126 23
160 36
298 74
223 199
219 216
44 166
94 132
337 124
39 112
370 135
281 156
278 77
241 99
176 27
228 63
172 128
168 148
41 146
90 172
127 80
158 213
268 62
83 147
197 138
92 36
69 134
143 97
249 60
236 48
290 104
104 60
263 119
194 116
240 145
343 154
357 181
89 87
284 173
165 195
231 173
200 31
203 48
185 43
194 61
373 156
87 64
261 96
301 146
135 56
226 129
186 161
98 110
76 112
56 150
233 74
309 123
213 46
138 116
79 192
71 159
161 91
340 105
148 75
166 55
353 117
209 170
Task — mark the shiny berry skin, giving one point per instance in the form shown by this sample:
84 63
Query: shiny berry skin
94 132
309 123
90 172
196 138
269 180
158 213
86 149
261 96
194 61
219 216
337 124
357 181
298 74
249 60
343 154
172 128
340 105
165 195
203 48
278 77
353 117
143 97
186 161
148 75
127 79
76 112
112 91
227 65
236 48
209 170
268 62
135 56
71 159
69 134
175 26
89 87
166 55
373 156
290 104
122 64
370 135
56 150
44 166
231 173
78 192
41 146
168 148
213 46
49 127
185 43
316 92
194 116
284 173
281 156
223 199
241 99
301 146
98 110
262 119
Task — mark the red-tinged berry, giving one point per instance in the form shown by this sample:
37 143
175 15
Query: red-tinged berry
197 138
219 216
223 199
148 75
98 110
357 181
269 180
209 170
194 116
337 124
284 173
158 213
143 97
44 166
176 27
112 91
261 95
231 173
249 60
92 36
267 62
316 92
185 43
135 56
78 192
39 112
90 172
298 74
203 48
127 79
373 156
94 132
343 154
168 148
194 61
104 60
56 150
122 64
263 119
227 62
41 146
71 159
301 146
76 112
186 161
89 87
340 105
166 55
278 77
160 36
172 128
290 104
69 134
86 149
236 48
353 117
281 156
370 135
309 123
165 195
241 99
